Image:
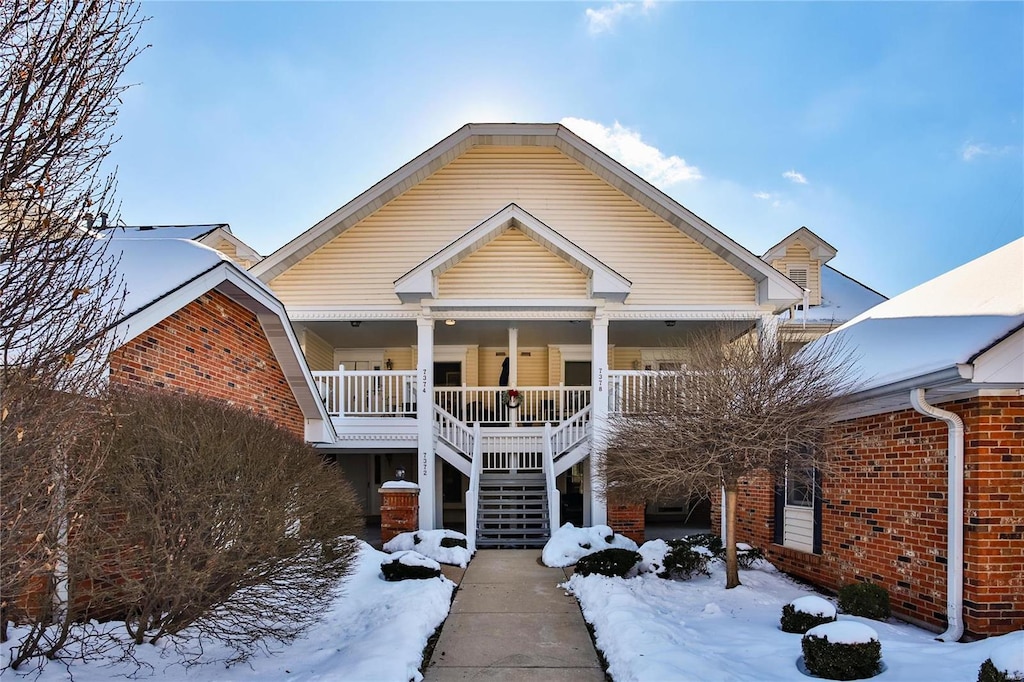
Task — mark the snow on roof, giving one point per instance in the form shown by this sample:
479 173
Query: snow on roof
944 322
165 231
842 299
153 268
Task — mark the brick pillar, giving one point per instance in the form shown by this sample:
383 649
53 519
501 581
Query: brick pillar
627 519
399 508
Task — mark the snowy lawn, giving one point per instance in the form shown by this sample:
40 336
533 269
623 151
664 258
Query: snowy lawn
653 629
375 631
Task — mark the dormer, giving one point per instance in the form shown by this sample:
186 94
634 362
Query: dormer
800 257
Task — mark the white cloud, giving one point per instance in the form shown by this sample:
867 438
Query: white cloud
762 195
604 19
972 150
798 178
625 146
768 196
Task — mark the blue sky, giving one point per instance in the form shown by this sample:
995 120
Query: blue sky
893 130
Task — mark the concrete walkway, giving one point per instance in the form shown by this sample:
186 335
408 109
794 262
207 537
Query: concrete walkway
510 621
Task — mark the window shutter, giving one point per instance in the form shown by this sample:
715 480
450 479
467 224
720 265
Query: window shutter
780 511
817 511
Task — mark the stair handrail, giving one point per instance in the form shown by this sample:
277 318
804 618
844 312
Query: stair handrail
569 433
454 432
554 497
473 494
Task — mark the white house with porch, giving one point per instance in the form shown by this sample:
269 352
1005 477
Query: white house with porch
477 315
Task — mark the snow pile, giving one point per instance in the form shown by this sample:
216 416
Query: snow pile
412 558
1008 655
815 606
399 485
569 544
428 543
653 629
653 553
844 632
372 630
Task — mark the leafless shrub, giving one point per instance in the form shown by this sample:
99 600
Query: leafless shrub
60 66
214 519
739 408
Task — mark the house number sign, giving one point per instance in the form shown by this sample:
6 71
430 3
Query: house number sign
423 381
600 379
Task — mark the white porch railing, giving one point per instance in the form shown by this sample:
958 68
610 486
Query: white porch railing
571 432
488 405
512 452
630 392
454 432
554 496
368 393
473 494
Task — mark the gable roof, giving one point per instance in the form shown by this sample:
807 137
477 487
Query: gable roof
419 282
209 234
820 249
932 333
842 299
772 286
187 270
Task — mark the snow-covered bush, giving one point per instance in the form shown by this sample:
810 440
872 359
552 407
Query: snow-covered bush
683 560
1006 661
443 546
409 565
747 556
569 544
844 650
804 613
653 557
614 562
865 599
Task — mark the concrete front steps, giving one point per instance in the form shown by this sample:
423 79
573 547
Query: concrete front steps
512 511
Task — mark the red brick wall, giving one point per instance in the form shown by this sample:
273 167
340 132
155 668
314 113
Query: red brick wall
628 520
884 515
213 347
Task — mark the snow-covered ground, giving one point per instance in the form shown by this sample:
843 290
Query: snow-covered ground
653 629
375 631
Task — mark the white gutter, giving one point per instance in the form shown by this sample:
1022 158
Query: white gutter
954 515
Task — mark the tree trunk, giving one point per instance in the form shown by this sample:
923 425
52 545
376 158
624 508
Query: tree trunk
732 566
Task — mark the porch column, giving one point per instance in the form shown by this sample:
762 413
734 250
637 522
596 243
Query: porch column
425 419
513 356
768 328
598 414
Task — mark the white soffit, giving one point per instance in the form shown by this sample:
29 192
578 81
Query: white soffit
418 283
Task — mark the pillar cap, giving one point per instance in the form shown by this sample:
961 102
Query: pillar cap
407 486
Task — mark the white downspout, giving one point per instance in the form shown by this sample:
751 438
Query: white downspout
954 515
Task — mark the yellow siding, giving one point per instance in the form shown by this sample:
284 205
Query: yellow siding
361 264
319 354
797 254
554 365
229 250
471 367
490 365
533 369
513 266
401 358
625 357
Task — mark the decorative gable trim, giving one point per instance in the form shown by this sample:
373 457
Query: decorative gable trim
820 249
421 282
773 288
223 232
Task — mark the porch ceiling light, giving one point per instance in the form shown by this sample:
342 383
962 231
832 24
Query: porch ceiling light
670 323
355 323
450 322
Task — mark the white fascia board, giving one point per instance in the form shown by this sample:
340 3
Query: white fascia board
368 202
418 283
258 300
1002 363
819 248
243 249
346 313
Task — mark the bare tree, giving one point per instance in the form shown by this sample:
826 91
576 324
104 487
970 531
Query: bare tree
739 408
212 518
60 67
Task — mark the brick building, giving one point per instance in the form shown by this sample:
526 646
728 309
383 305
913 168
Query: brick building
926 487
194 321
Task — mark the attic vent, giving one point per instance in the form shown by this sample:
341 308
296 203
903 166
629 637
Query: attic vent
799 275
525 354
500 354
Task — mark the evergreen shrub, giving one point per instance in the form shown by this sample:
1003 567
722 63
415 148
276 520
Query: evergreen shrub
865 599
612 562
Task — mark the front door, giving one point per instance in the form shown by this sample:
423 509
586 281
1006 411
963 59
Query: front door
577 373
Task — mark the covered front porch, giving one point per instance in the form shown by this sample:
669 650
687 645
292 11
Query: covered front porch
502 413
